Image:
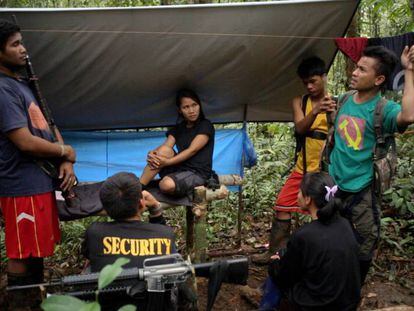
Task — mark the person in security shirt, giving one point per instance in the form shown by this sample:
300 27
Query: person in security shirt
126 236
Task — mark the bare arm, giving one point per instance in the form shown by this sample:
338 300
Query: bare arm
153 156
66 171
170 141
406 116
59 136
302 122
198 142
39 147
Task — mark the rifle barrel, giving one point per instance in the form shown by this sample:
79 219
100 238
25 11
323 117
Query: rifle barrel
35 87
236 271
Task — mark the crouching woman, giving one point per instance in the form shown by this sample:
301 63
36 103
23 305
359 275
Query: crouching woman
320 269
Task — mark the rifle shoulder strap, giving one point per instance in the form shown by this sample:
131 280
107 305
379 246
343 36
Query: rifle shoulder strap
330 141
341 101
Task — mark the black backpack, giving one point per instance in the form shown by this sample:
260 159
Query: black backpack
384 152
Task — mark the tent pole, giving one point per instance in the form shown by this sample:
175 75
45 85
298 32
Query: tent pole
240 211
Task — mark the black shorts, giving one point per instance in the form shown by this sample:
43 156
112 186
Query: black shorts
185 181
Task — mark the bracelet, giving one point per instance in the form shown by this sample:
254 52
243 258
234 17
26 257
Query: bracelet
62 151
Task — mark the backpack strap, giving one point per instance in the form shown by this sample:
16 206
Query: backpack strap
378 128
300 139
304 104
331 118
381 139
316 135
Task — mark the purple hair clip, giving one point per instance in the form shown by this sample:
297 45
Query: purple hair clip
330 192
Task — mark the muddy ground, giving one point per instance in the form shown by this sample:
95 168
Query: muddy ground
377 293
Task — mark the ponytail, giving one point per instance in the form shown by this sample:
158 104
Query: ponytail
321 189
329 210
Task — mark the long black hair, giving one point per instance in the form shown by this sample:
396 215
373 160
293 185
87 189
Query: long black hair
189 94
320 187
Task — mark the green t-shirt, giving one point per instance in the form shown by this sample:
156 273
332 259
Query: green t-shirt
351 158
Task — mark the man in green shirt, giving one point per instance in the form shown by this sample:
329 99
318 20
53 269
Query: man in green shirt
352 156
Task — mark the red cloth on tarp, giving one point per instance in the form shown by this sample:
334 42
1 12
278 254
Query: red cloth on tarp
352 47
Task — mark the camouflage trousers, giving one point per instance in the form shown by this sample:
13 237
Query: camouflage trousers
363 212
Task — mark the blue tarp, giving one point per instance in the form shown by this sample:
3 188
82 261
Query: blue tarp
102 154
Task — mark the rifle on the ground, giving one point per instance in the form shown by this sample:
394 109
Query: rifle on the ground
50 167
159 274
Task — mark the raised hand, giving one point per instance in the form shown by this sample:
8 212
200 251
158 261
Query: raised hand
327 104
407 58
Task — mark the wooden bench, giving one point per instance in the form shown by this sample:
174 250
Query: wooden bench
197 213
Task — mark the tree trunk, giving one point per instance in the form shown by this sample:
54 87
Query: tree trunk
352 32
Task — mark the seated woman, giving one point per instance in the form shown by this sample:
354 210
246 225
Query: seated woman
320 268
194 137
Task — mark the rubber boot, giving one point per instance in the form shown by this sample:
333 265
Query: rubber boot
364 266
279 235
25 299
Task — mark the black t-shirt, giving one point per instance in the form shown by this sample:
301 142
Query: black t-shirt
136 240
320 270
201 163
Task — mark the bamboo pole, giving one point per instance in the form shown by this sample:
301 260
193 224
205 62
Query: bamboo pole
196 228
230 180
189 239
200 227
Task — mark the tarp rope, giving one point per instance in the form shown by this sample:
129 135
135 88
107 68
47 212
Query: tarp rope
179 33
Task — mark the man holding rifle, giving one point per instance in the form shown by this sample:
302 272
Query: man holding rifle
27 200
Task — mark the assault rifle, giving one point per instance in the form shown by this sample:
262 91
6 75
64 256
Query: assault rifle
50 167
159 274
